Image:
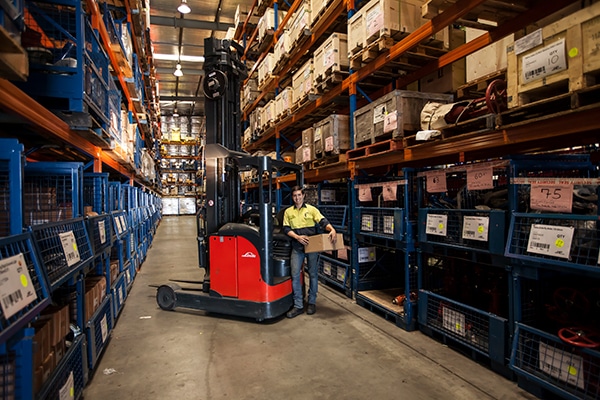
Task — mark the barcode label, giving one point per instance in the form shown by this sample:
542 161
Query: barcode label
550 240
475 228
544 62
70 250
102 231
437 224
15 281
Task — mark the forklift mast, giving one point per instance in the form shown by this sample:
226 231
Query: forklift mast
224 74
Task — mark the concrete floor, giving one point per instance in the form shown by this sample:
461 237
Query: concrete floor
344 351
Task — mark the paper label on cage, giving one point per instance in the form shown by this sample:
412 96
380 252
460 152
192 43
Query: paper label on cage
480 178
454 321
16 289
550 240
327 268
328 195
128 276
552 197
123 222
437 224
102 231
364 194
69 245
104 328
379 113
118 226
329 143
390 122
390 192
436 181
374 20
328 58
388 224
67 391
366 223
120 296
542 63
528 42
341 274
306 154
562 365
475 228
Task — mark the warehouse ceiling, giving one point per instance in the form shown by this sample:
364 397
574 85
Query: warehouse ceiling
179 38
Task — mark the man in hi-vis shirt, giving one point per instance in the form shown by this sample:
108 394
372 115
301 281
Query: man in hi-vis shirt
299 222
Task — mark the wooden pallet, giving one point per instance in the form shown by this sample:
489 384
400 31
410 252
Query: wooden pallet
482 124
476 89
331 80
328 160
384 147
303 101
262 86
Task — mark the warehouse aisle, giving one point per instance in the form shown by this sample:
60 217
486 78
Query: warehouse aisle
342 352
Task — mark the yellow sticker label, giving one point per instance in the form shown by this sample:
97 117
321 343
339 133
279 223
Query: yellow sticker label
559 243
441 226
24 280
480 229
572 370
75 246
457 326
574 52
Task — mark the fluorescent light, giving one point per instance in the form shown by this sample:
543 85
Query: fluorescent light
175 57
184 8
178 72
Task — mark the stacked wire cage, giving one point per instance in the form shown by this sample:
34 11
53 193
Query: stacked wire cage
129 199
69 69
385 275
334 266
463 284
553 249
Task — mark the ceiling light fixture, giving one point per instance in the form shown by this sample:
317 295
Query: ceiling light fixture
184 8
178 72
175 57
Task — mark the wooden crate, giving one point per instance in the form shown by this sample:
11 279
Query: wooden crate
300 22
302 82
284 101
332 135
382 18
356 33
305 154
283 47
398 113
331 56
316 6
567 59
265 69
488 60
363 125
241 14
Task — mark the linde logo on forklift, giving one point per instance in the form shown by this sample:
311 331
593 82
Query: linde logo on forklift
249 254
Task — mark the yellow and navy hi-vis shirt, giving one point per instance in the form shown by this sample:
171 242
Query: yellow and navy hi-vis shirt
303 221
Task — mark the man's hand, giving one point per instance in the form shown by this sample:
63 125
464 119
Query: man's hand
333 236
303 239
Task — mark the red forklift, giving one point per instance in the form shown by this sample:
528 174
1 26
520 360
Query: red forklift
246 258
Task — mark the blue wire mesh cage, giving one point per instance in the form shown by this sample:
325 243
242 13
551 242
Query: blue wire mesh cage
52 191
65 248
98 330
100 232
95 191
16 250
70 374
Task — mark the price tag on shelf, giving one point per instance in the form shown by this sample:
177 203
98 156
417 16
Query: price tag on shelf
69 245
437 224
390 191
16 289
556 197
390 122
480 178
436 181
475 228
364 194
550 240
102 231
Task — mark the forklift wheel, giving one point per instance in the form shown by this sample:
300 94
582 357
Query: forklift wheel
166 297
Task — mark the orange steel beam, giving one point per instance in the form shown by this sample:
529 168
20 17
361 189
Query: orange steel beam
44 122
99 23
539 11
426 30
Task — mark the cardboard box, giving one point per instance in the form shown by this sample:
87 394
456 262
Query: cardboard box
318 243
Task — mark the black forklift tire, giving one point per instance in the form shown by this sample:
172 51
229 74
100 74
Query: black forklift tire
166 296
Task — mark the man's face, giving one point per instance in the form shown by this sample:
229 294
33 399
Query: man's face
298 198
